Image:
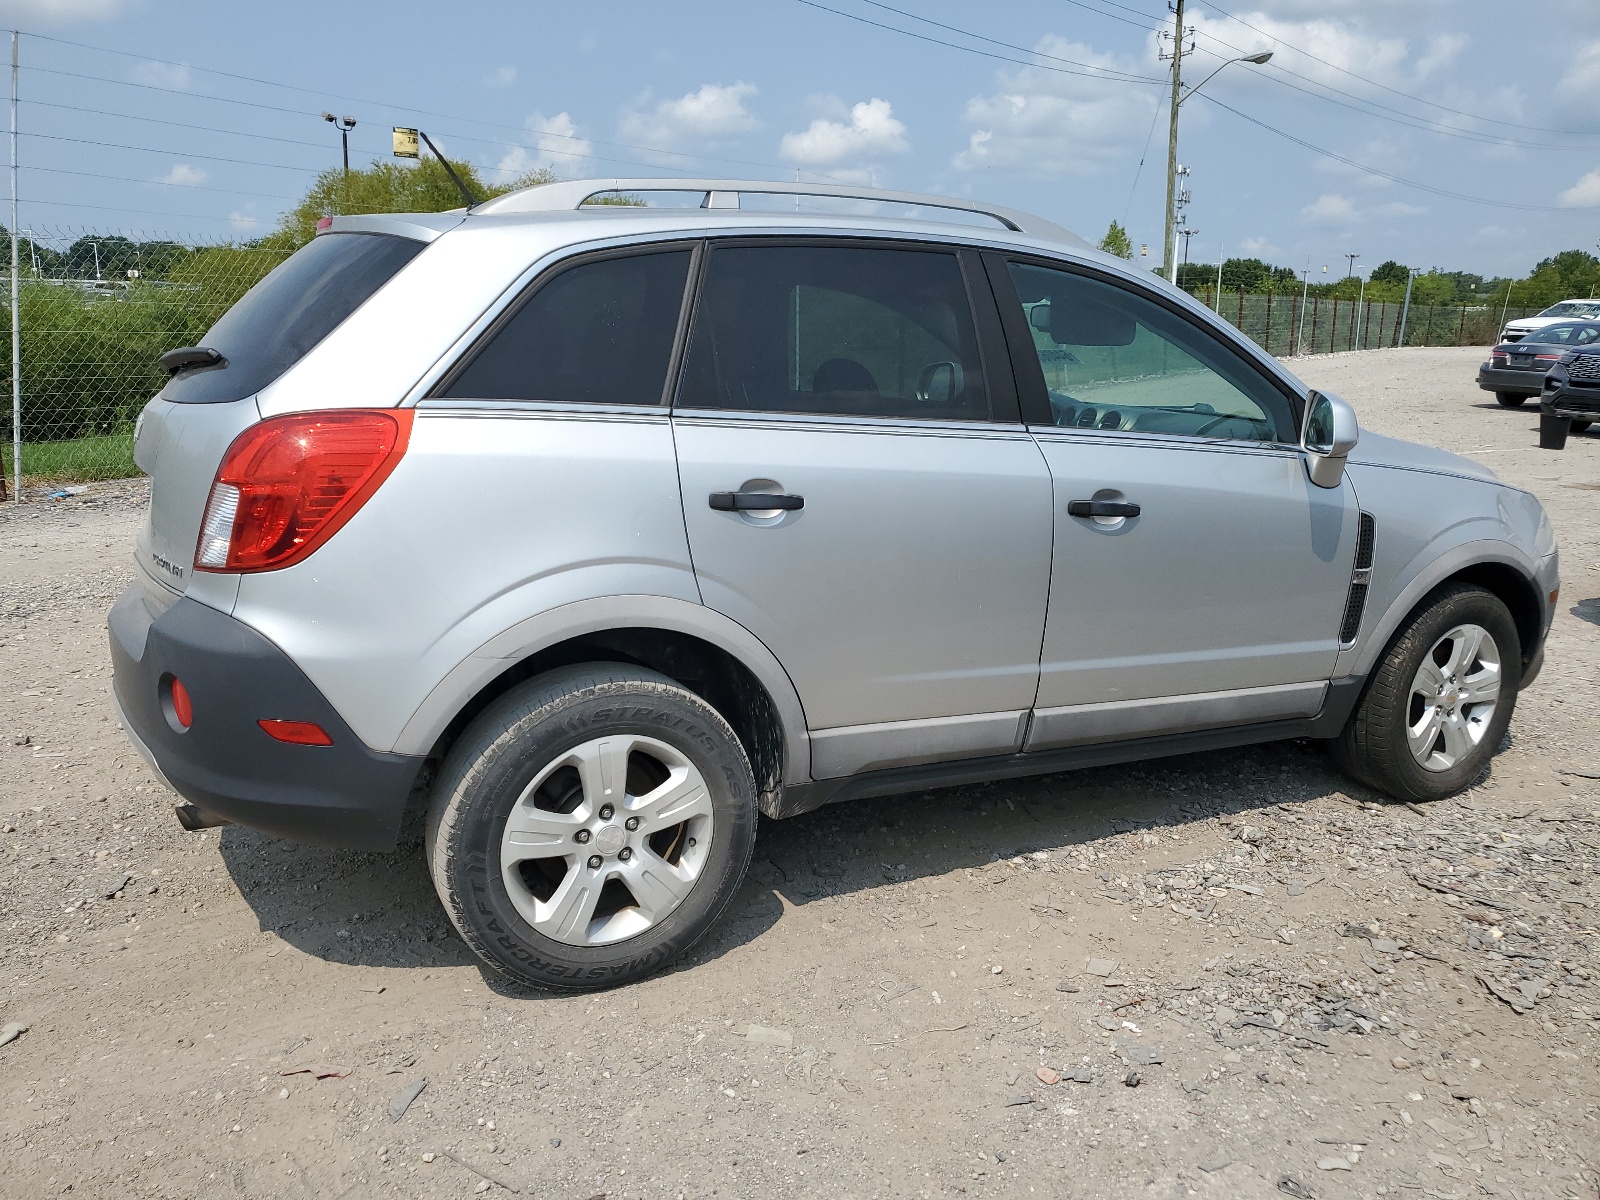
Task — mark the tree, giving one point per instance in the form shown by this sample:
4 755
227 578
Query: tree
387 187
1116 241
1390 272
1251 274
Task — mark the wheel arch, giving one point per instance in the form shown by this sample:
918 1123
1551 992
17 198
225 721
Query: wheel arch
710 655
1491 566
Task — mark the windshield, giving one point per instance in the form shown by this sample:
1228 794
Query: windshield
1566 333
1573 308
277 322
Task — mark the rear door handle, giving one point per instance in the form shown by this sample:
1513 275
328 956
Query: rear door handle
1102 508
758 501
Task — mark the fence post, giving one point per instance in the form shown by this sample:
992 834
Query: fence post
1266 343
1240 321
16 297
1333 330
1461 329
1316 302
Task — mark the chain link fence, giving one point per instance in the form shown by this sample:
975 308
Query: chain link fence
97 312
1288 325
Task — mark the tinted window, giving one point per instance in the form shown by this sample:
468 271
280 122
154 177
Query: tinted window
598 333
856 331
1115 360
1565 335
278 321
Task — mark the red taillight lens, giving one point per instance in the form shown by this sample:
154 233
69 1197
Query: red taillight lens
288 484
297 733
1499 360
182 706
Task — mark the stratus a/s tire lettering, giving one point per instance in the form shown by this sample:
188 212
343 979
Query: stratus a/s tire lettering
590 826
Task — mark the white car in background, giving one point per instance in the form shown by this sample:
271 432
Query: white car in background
1565 310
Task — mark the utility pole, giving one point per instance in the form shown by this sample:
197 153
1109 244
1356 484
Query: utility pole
1405 309
1169 260
1351 270
1361 301
1305 290
16 298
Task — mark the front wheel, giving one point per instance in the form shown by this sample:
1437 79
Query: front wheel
1510 399
590 826
1439 701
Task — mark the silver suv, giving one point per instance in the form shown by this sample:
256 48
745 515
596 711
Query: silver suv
596 530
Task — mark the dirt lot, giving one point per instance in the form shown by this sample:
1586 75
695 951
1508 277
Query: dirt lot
1251 979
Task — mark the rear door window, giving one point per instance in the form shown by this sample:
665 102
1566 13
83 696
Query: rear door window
277 322
861 331
600 332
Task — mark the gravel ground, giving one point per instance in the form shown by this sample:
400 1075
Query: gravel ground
1230 975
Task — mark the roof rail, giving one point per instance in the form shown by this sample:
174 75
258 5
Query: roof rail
572 194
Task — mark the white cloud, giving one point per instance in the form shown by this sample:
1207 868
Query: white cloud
1332 209
1259 247
1581 79
1443 49
163 75
712 111
1047 122
554 144
500 77
872 132
27 12
1340 212
244 222
1327 49
1583 194
183 175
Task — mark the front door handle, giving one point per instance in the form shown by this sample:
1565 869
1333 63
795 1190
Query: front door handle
1102 508
757 501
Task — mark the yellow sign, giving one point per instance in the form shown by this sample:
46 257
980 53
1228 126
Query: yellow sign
405 143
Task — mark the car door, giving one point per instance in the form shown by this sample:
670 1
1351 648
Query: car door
860 494
1199 577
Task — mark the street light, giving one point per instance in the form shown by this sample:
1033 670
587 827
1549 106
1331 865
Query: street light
1352 269
344 125
1179 95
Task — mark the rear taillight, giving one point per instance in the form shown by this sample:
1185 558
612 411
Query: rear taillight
297 733
1499 360
288 484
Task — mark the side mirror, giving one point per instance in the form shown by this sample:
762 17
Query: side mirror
1329 434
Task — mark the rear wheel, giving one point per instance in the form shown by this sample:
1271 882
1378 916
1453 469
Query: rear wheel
1580 426
1440 700
590 826
1510 399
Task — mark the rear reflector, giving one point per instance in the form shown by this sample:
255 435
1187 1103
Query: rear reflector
297 733
182 707
290 483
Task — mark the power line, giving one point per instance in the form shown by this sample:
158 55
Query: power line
995 42
193 187
522 131
99 112
1385 87
243 162
1117 77
144 212
1350 162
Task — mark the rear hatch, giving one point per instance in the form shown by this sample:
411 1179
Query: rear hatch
185 431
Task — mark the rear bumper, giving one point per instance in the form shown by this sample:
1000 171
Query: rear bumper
1503 379
341 795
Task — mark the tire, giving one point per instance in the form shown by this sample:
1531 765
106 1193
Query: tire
1376 746
522 902
1553 431
1580 426
1510 399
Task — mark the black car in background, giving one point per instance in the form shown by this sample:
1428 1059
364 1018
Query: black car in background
1516 370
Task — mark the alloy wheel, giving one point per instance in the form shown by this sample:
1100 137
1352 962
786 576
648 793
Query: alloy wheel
1453 697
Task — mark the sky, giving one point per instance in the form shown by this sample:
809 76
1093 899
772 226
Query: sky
1431 132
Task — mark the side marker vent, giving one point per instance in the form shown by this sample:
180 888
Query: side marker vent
1360 580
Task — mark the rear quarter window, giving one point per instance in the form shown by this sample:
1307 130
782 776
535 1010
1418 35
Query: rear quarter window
277 322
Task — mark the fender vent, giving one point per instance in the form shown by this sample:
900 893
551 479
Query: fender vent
1360 579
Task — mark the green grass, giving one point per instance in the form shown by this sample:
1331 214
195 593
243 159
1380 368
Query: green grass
78 460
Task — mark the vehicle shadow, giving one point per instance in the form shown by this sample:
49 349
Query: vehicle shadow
380 910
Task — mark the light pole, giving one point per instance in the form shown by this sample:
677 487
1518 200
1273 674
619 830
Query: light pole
1179 95
1351 270
344 125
